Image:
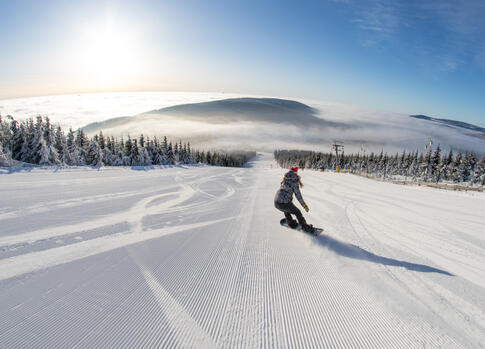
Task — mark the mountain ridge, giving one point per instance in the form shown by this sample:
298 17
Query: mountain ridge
248 109
450 122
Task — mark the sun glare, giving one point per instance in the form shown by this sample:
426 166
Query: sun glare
106 55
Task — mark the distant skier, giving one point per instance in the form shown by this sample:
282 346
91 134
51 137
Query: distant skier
283 200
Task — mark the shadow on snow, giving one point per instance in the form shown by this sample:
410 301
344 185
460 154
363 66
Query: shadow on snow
356 252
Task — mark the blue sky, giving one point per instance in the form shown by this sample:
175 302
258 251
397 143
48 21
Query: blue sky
402 56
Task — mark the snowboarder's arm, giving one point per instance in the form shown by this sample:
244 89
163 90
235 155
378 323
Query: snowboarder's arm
296 190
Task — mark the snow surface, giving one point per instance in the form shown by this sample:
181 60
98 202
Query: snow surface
195 257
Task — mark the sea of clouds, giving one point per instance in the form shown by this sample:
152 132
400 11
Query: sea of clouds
368 130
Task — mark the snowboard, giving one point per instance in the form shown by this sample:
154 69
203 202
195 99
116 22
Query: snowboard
316 231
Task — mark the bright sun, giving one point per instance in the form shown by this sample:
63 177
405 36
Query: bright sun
106 55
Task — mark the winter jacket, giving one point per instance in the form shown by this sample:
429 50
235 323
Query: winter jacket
288 187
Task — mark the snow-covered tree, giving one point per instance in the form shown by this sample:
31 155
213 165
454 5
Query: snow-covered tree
5 136
446 166
27 150
144 157
72 154
82 143
479 175
170 155
94 156
61 146
469 164
435 164
456 174
4 157
18 139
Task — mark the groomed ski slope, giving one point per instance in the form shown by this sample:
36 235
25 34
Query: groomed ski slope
195 257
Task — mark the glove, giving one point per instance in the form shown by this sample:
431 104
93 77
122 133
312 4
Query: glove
306 207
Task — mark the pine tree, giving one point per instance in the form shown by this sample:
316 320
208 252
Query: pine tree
457 168
18 139
50 140
5 140
190 158
101 140
119 157
479 176
141 141
183 153
176 153
144 157
82 144
106 146
160 153
135 154
151 149
72 153
26 153
409 161
128 147
5 136
414 167
4 158
94 156
435 164
61 146
170 155
469 164
40 151
426 164
446 167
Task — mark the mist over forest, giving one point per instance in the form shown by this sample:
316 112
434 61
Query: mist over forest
270 123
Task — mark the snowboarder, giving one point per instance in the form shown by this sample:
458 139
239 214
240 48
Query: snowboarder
290 185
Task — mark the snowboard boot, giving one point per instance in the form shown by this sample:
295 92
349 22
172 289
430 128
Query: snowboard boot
304 226
308 228
292 224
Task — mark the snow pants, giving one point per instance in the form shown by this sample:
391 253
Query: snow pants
288 209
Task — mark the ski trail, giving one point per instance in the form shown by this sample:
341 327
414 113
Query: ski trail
201 262
132 216
191 335
377 227
73 202
34 261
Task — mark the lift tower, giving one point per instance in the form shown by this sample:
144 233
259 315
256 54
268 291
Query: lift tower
337 146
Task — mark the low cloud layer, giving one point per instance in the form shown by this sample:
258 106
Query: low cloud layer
314 126
77 110
268 124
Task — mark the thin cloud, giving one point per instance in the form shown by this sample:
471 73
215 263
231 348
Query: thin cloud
448 63
463 26
461 17
448 34
480 58
379 17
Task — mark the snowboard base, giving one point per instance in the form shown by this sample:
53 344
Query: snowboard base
315 231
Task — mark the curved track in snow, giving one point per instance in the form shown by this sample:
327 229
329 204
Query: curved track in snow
194 257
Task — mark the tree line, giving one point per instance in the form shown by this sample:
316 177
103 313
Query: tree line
429 166
39 142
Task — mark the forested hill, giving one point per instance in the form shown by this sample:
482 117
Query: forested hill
430 166
39 142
